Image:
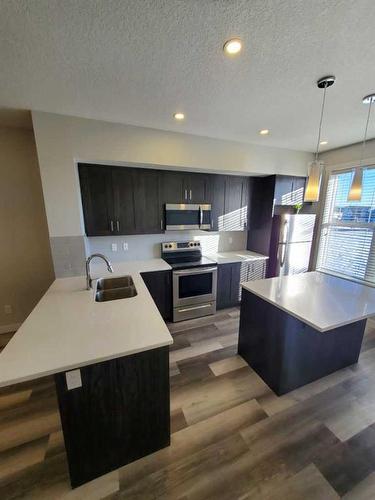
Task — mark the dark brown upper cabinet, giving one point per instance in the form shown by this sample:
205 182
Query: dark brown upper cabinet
229 199
236 203
123 196
127 200
217 200
196 188
120 200
289 190
147 205
97 199
265 194
172 187
185 187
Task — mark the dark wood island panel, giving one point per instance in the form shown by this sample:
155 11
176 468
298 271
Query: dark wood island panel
286 352
121 413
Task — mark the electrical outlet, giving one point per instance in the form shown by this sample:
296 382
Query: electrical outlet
73 379
114 247
8 309
125 247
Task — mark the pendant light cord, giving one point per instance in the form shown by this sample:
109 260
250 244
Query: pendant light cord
321 121
365 136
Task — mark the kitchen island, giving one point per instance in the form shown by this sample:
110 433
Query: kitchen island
297 329
111 366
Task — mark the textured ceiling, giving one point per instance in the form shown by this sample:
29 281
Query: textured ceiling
139 61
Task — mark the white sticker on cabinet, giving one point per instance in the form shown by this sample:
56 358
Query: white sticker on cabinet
73 379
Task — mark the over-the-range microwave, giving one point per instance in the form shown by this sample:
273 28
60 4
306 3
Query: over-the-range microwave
179 216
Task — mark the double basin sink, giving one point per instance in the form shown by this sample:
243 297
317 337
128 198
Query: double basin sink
114 288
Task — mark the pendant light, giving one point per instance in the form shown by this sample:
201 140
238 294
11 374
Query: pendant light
355 193
316 167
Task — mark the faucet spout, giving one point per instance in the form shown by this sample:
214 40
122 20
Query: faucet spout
88 261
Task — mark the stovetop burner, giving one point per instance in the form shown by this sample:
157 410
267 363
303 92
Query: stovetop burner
191 263
184 254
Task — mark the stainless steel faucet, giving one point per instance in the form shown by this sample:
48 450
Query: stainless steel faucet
89 259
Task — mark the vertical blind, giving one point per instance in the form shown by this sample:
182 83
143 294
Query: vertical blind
347 243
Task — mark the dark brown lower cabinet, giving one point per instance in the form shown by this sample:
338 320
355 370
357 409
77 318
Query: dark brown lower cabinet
120 414
286 352
228 285
159 284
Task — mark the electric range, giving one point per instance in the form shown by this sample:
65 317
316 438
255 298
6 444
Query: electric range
194 279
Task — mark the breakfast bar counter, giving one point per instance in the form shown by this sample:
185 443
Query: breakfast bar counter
110 361
297 329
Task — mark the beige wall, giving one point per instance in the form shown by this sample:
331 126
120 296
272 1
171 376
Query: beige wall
25 260
62 140
349 156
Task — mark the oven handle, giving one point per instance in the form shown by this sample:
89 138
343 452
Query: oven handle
200 270
192 308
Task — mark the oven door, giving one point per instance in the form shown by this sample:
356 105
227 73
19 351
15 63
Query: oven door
194 286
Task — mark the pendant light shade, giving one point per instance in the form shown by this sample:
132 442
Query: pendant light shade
316 167
355 192
313 181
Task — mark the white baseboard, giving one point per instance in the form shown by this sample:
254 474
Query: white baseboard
9 328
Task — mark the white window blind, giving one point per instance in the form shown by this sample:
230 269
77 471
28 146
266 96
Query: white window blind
347 243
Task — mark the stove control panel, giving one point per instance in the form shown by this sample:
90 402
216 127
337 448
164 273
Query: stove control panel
180 246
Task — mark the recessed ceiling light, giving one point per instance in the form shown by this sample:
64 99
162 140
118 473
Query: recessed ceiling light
179 116
323 143
233 46
264 131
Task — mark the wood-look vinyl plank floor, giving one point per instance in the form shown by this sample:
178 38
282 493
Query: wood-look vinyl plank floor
232 437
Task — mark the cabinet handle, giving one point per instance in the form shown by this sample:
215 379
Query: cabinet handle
186 194
191 193
118 226
112 226
161 223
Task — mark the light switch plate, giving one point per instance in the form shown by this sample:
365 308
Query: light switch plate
73 379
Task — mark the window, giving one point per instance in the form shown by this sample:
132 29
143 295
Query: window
347 243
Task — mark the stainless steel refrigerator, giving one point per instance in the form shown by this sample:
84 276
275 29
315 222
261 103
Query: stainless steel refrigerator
291 241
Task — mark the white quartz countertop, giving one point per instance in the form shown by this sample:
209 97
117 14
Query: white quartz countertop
320 300
68 329
236 256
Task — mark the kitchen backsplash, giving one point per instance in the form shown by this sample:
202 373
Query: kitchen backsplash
69 252
141 247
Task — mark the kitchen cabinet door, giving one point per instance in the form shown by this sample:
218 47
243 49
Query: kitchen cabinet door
228 285
159 284
217 200
196 188
236 199
147 207
97 199
123 196
289 190
298 189
284 190
224 279
236 278
257 270
172 188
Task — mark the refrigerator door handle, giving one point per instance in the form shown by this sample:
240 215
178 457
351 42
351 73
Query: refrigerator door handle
281 254
284 232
